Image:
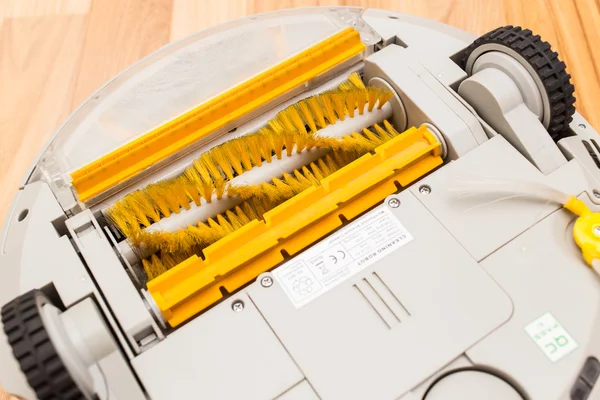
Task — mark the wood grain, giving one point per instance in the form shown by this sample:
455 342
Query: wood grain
55 53
119 33
38 58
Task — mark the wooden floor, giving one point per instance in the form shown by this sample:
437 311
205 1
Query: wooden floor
55 53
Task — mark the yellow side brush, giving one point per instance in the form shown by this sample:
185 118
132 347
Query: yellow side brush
151 149
256 247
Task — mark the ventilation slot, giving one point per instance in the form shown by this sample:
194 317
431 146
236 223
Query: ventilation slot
382 300
593 153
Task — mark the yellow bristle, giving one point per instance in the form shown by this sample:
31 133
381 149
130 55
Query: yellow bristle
209 169
384 97
302 142
233 219
254 149
157 192
294 115
356 80
124 219
218 154
328 108
372 136
199 176
191 190
339 105
350 98
373 94
304 109
317 111
232 158
289 142
154 267
142 208
278 188
383 134
277 138
361 101
388 127
180 197
242 152
284 118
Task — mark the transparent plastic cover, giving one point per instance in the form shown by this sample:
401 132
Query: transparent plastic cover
179 77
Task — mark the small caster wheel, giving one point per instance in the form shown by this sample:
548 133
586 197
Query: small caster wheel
46 373
554 103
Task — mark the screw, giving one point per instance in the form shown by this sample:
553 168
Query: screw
394 202
266 281
596 230
237 306
425 190
582 126
596 194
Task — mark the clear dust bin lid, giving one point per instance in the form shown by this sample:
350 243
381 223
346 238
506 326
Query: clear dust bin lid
179 77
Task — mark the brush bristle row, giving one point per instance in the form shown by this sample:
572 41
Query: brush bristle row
258 199
292 129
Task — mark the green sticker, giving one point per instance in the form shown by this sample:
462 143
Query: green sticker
551 337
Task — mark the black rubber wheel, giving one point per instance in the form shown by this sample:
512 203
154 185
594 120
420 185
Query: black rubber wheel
546 64
33 349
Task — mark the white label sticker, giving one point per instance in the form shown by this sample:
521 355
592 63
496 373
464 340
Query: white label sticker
551 337
341 255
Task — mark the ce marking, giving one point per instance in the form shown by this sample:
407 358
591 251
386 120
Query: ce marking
340 256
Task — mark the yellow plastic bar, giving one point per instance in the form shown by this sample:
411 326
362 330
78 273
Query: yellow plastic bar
240 257
166 140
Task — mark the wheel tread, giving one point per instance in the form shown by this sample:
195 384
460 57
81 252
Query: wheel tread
45 372
546 63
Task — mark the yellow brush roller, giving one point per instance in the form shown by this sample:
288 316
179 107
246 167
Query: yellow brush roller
122 164
241 179
194 284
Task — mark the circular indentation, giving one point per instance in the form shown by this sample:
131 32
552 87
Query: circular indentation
22 215
472 385
582 126
237 306
266 281
425 190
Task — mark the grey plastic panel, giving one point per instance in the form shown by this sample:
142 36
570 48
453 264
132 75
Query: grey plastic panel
431 42
498 99
574 147
302 391
426 34
542 270
422 102
351 345
117 288
221 355
33 254
483 224
418 392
